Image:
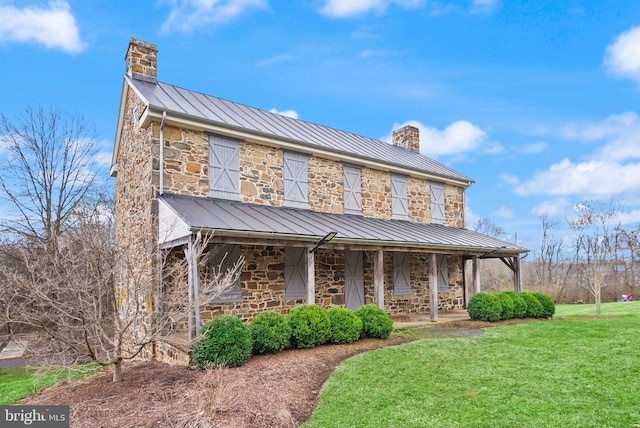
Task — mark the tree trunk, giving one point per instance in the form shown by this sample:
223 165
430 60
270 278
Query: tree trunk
117 370
598 298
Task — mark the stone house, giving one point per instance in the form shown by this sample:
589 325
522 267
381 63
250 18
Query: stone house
275 190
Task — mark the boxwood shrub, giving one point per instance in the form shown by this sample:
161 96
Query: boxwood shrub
508 309
548 305
310 326
345 325
534 307
519 304
484 306
376 323
224 341
270 332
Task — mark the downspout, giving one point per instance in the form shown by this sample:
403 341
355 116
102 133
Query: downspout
196 281
161 185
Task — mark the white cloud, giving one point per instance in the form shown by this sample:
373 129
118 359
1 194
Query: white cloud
533 148
623 55
558 207
509 179
587 179
459 137
288 113
54 27
351 8
504 212
189 15
484 6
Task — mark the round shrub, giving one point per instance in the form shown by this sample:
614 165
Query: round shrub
270 332
508 309
534 307
310 326
548 305
376 323
345 325
224 341
484 306
519 304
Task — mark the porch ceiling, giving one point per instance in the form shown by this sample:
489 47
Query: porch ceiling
242 220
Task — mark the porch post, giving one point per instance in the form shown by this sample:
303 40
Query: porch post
476 274
187 254
517 276
378 279
196 286
433 288
311 277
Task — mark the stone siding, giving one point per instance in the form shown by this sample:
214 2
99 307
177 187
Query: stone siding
454 205
326 185
419 200
261 174
376 193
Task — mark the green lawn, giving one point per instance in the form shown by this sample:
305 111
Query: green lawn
559 373
19 382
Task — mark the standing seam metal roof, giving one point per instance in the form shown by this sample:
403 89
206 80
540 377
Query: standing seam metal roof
239 217
172 99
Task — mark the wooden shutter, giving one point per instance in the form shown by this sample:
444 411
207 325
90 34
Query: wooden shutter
224 258
437 203
353 279
295 273
224 167
399 199
352 189
296 178
443 273
401 273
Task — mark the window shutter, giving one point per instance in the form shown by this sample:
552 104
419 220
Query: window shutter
224 167
437 203
295 273
352 190
296 177
399 199
224 259
443 273
401 273
353 279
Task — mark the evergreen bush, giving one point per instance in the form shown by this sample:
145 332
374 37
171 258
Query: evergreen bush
484 306
345 325
310 326
270 332
376 323
548 305
508 308
519 304
224 341
534 307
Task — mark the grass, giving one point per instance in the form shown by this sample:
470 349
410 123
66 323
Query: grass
19 382
557 373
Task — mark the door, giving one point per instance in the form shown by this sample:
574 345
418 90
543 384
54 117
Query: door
353 279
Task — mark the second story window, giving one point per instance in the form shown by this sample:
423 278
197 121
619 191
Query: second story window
296 178
437 203
399 198
352 189
224 167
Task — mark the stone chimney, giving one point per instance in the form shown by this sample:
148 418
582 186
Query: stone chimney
407 137
141 60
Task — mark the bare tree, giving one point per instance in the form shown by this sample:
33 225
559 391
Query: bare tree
595 245
553 266
48 171
66 292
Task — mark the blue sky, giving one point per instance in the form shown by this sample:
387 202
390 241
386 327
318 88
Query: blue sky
538 102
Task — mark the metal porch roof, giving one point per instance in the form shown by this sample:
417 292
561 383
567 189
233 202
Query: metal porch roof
246 220
206 108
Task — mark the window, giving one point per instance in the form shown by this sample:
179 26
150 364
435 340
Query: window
224 167
399 199
437 203
401 273
296 178
352 189
223 259
443 273
295 273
